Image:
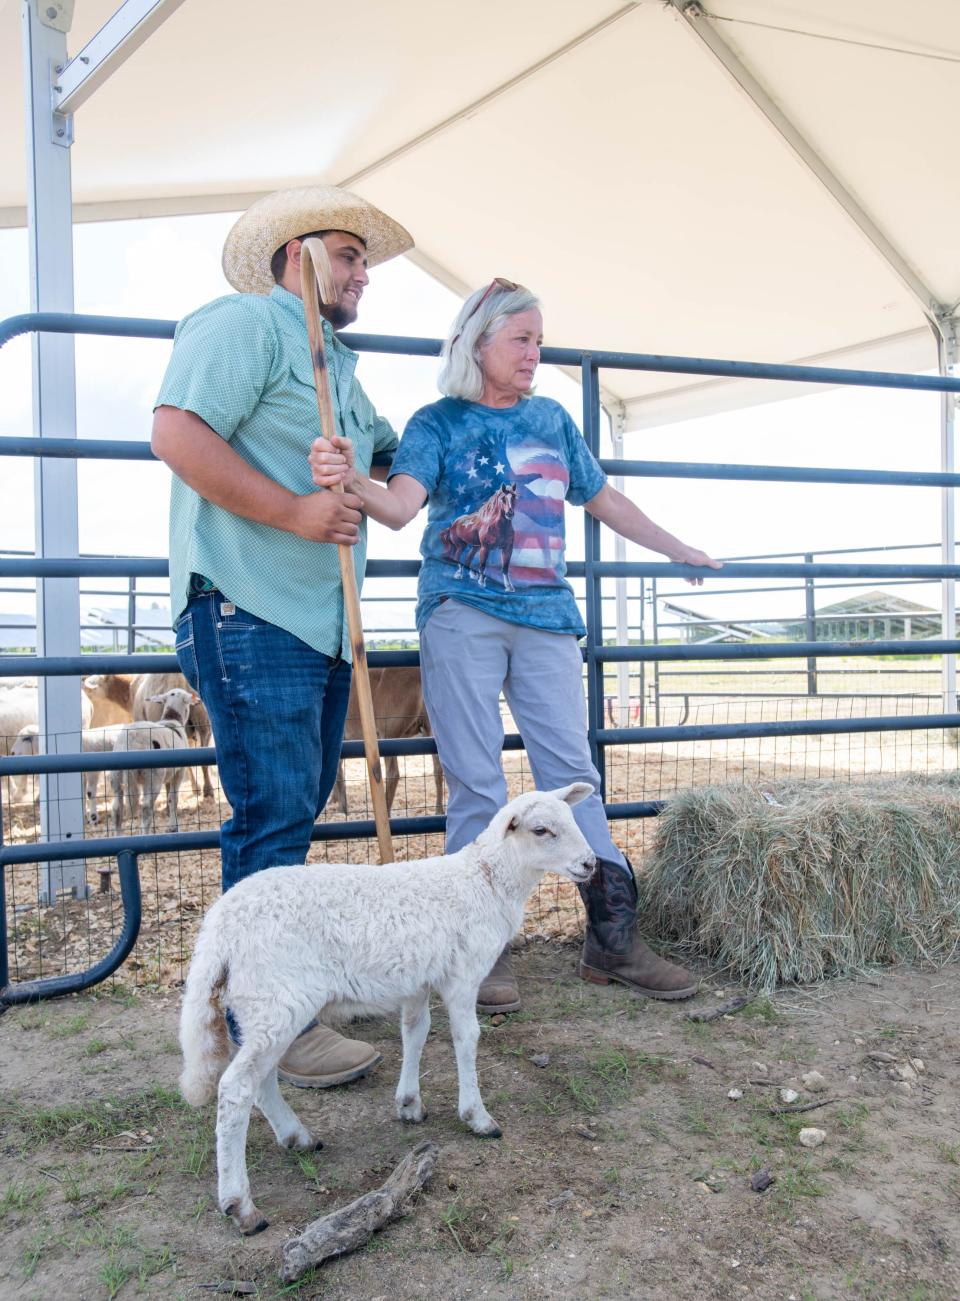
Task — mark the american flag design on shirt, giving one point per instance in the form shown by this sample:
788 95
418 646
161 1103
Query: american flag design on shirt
542 480
497 480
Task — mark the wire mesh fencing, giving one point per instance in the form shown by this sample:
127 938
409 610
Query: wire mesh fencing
177 888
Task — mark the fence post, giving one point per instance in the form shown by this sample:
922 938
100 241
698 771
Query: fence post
620 587
131 614
4 958
643 640
811 624
656 642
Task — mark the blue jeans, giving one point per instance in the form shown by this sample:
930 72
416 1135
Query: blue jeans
277 708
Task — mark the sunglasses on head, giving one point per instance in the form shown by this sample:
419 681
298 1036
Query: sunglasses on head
497 282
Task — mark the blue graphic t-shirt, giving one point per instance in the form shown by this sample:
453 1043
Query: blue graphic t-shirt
496 480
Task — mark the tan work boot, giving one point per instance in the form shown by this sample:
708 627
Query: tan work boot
320 1058
499 991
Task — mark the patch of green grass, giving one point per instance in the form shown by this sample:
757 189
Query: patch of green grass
94 1047
604 1078
120 1187
152 1263
697 1029
203 1201
21 1196
197 1154
850 1121
76 1126
755 1121
472 1226
840 1165
74 1189
307 1164
949 1152
761 1009
498 1248
66 1029
298 1284
39 1244
126 1257
31 1018
798 1180
695 1121
109 1237
114 1272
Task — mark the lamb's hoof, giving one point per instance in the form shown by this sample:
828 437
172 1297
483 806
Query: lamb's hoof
485 1127
411 1111
303 1141
248 1222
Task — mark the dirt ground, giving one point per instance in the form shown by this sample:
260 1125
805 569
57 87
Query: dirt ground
624 1171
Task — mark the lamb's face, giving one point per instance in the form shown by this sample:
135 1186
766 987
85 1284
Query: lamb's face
27 742
176 703
542 829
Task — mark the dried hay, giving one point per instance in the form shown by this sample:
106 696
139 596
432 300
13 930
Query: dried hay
826 881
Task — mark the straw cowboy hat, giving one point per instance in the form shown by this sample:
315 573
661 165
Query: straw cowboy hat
279 217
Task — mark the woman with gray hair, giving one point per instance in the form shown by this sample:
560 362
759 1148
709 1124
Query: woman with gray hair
494 610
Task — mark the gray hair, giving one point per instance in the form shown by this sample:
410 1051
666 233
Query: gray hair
460 375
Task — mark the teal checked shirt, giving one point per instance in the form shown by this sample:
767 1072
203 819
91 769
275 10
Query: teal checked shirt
242 364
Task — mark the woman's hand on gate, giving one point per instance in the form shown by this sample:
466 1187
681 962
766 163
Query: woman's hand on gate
691 556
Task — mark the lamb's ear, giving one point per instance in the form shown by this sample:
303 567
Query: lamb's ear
155 700
573 793
511 825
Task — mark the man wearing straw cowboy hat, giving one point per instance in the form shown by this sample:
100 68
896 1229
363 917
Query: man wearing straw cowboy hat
255 585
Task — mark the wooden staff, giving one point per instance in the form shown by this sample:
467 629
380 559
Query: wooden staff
316 278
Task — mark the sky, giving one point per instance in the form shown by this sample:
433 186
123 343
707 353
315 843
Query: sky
166 267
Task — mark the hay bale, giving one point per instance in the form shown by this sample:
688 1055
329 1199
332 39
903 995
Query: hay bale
828 880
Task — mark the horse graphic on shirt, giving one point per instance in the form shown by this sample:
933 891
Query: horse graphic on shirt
480 533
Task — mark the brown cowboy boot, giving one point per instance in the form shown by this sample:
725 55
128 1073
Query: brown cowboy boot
612 948
499 991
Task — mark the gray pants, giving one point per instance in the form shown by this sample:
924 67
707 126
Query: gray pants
467 658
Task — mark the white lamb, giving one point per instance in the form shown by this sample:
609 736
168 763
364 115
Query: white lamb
96 740
346 940
142 785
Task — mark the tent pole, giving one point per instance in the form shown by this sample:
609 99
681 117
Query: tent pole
947 354
50 236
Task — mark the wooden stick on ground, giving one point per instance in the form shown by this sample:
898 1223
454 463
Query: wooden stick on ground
791 1110
722 1009
351 1226
317 278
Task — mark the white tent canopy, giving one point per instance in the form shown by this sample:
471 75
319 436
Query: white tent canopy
603 154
